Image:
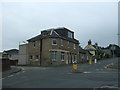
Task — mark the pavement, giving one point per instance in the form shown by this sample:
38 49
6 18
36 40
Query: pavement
94 75
11 71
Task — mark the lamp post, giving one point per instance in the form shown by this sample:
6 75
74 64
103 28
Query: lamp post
113 49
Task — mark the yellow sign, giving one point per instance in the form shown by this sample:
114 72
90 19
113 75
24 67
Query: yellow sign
75 67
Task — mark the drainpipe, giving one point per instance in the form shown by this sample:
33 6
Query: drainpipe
40 52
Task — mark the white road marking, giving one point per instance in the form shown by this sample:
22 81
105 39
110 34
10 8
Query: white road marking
86 72
10 75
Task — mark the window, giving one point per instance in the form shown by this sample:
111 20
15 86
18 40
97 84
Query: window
82 56
74 46
70 35
31 57
54 42
62 56
34 44
75 57
87 57
61 42
53 55
68 44
10 55
37 57
45 34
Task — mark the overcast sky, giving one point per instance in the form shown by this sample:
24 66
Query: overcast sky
89 20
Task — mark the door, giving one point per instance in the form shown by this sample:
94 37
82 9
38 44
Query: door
67 58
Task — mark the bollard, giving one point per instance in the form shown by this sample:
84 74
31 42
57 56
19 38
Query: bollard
75 68
75 65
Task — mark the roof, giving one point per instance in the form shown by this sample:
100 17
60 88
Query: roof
90 48
82 50
11 51
55 33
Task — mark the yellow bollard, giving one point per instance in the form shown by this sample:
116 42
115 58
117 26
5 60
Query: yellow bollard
74 66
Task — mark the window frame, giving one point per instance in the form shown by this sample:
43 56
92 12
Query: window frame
70 34
31 57
62 56
36 57
74 46
53 55
53 41
62 42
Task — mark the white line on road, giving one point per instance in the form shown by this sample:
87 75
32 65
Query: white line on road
10 75
86 72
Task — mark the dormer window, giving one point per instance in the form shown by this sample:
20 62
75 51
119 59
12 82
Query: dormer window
70 34
54 42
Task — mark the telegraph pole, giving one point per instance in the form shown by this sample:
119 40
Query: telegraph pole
118 39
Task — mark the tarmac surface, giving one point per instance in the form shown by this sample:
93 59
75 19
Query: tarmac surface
90 76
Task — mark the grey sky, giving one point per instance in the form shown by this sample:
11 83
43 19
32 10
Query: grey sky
89 20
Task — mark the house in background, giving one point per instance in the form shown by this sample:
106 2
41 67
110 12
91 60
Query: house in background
91 49
84 55
56 46
23 54
12 56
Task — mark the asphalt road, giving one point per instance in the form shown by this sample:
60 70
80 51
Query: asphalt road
92 76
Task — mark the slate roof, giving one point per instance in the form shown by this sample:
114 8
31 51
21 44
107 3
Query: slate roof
55 33
83 51
90 48
11 51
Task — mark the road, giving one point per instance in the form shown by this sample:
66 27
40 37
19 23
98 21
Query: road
92 76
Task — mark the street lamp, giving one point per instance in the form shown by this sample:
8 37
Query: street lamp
113 49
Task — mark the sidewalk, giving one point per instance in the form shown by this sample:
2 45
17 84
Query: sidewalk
11 71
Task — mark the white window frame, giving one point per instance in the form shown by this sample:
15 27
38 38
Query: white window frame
62 56
70 34
53 41
62 42
54 57
36 58
74 46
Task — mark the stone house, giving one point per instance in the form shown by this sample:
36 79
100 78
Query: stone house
84 55
56 46
12 56
91 49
